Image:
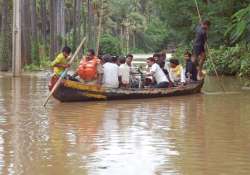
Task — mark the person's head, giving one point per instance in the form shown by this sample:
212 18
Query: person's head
66 51
156 56
174 62
107 58
150 61
90 53
163 56
206 24
129 59
122 60
114 59
187 55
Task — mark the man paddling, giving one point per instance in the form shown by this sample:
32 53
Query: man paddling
199 53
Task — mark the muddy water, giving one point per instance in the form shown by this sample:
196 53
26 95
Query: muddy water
199 134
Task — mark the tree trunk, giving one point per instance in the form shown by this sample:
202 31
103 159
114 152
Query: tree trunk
43 21
127 39
57 26
34 40
26 30
52 29
90 24
99 30
76 23
5 36
16 40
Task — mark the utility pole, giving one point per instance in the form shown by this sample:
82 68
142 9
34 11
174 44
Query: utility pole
16 40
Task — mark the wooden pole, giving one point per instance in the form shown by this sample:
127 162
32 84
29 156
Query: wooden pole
16 39
64 73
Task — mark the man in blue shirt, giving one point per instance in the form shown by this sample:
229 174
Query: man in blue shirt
199 54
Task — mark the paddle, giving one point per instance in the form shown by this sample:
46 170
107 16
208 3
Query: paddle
65 72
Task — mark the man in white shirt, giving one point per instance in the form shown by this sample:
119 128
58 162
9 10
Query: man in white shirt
110 73
157 73
124 73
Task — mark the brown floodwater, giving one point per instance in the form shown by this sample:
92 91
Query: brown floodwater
198 134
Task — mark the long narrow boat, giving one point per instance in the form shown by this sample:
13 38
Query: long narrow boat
71 91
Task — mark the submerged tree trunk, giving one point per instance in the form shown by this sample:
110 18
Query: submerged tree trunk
5 36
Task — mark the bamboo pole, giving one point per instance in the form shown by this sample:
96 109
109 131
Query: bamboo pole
65 72
16 39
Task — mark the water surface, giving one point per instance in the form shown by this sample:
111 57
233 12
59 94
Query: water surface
198 134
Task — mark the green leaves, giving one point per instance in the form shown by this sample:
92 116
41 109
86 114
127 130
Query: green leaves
240 25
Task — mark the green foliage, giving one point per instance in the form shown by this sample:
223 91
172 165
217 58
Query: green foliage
155 36
35 53
245 64
110 45
240 25
229 61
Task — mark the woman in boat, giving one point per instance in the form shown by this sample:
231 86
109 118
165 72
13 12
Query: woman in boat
157 73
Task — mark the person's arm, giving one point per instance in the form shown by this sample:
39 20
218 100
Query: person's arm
183 79
99 73
58 63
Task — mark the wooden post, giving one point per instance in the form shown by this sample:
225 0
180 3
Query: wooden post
16 40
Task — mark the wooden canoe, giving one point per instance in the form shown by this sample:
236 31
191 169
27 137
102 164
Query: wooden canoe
71 91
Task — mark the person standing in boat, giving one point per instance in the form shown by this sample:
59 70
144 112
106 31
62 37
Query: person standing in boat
157 73
61 61
199 54
90 69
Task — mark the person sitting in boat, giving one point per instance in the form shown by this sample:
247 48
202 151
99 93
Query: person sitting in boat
110 72
160 60
176 73
124 73
191 70
157 73
90 69
61 61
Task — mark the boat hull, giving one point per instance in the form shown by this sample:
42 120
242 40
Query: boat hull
71 91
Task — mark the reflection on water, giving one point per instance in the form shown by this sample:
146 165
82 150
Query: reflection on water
198 134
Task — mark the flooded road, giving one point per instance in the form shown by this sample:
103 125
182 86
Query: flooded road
198 134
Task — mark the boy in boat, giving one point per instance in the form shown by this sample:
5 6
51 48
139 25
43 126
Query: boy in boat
90 69
199 54
176 72
61 61
110 72
191 70
157 73
124 73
